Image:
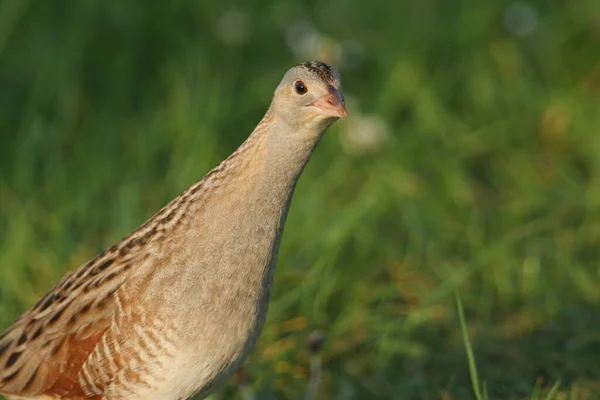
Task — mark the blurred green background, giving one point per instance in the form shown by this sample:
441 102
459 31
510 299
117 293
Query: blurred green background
470 165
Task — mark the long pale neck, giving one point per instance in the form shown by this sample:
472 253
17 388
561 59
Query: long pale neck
246 198
264 169
284 152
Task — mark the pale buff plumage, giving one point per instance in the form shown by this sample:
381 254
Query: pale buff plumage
174 308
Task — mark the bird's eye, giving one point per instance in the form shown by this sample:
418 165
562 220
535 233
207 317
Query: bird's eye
300 87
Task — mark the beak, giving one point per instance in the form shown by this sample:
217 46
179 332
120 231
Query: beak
331 104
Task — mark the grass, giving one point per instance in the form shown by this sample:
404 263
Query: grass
470 166
478 387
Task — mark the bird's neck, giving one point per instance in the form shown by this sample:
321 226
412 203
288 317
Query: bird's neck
246 200
249 193
266 167
285 150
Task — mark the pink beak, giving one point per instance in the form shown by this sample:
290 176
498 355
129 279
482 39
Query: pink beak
331 104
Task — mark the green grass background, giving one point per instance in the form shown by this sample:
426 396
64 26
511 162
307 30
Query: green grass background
484 180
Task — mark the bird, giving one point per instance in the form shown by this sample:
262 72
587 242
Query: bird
174 308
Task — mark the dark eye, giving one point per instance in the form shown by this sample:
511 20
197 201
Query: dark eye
300 87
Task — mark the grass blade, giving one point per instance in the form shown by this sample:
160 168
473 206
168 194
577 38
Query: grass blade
552 393
469 350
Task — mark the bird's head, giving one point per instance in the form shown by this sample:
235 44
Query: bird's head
310 94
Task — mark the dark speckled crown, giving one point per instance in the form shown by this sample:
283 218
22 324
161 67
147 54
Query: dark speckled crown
325 71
